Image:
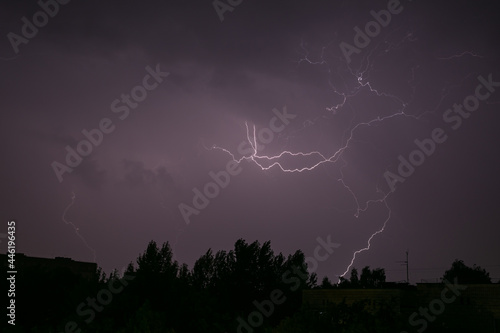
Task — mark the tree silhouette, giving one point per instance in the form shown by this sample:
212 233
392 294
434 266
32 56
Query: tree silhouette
372 278
160 295
326 283
465 274
354 280
369 278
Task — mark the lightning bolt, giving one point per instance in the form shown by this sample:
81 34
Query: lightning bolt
273 161
361 77
383 200
75 228
470 53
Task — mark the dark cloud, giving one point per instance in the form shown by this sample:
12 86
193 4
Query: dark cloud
264 55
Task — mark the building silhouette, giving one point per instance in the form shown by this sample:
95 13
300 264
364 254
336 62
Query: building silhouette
483 299
23 262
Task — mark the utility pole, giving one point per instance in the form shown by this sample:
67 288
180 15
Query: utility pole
406 263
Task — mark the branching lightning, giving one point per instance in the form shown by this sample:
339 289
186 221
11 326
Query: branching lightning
266 162
257 159
77 230
472 54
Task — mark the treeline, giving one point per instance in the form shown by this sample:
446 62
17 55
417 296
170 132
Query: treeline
158 294
247 289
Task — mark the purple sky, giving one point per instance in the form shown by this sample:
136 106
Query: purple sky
264 55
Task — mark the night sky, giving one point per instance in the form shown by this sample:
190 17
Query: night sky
167 91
